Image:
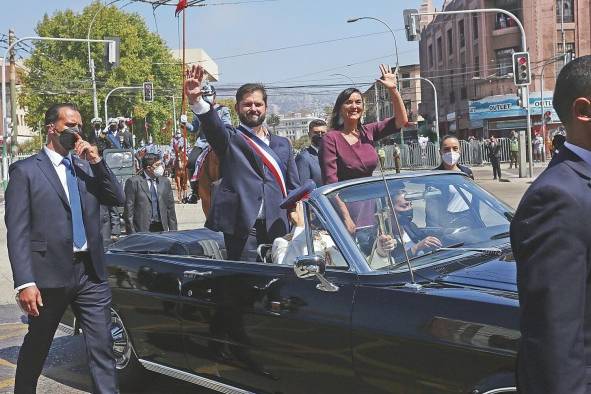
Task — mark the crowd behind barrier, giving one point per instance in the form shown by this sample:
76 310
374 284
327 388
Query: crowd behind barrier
413 156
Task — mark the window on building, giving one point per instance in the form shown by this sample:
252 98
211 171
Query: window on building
452 97
475 26
463 93
405 84
569 47
439 50
461 33
568 11
450 42
504 58
430 55
476 66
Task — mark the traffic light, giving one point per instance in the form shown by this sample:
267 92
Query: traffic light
410 25
112 53
148 92
521 71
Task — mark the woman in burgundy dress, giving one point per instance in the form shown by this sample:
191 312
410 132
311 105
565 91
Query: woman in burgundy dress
347 150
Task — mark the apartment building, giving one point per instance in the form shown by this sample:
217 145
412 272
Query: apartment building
469 59
294 126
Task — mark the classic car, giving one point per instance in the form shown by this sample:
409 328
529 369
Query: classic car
420 319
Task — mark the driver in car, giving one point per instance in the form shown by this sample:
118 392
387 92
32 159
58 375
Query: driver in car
415 240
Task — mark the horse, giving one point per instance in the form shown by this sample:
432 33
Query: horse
181 177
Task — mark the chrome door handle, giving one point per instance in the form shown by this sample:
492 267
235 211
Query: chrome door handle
192 274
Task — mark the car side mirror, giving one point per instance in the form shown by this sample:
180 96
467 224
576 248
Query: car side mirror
313 265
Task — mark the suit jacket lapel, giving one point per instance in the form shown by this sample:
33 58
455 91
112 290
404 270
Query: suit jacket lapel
50 173
274 145
145 188
81 172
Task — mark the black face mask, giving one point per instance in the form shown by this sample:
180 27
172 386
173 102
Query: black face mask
316 138
405 217
67 138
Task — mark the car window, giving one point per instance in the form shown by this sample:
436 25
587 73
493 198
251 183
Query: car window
425 214
323 243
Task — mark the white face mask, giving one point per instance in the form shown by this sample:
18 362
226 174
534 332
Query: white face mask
159 171
451 158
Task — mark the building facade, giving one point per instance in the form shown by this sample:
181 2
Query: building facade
294 126
469 59
23 132
410 90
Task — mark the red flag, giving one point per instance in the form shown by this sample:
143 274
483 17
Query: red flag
182 4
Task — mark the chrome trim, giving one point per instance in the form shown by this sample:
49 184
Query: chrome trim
501 390
67 330
192 378
122 347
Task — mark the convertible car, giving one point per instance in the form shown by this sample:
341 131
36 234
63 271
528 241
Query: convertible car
434 310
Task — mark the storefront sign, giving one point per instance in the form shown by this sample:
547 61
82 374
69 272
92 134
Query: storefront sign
505 106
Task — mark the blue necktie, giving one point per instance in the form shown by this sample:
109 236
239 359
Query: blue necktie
154 197
77 221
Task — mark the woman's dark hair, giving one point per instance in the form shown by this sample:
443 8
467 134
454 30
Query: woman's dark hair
336 122
53 112
447 137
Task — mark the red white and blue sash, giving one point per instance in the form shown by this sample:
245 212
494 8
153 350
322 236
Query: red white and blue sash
267 155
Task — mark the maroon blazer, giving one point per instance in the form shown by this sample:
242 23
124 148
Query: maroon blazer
340 161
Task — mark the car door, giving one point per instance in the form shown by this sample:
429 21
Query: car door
146 292
258 327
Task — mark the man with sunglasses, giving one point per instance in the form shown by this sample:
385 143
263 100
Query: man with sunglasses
55 246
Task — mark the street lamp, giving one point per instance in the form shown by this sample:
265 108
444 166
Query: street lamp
376 87
91 61
4 117
114 90
346 76
435 102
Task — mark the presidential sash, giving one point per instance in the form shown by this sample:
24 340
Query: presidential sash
267 155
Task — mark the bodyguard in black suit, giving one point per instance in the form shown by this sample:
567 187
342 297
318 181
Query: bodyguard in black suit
551 243
307 159
149 203
56 249
257 168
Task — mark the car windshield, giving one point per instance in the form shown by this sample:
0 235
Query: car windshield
117 160
435 215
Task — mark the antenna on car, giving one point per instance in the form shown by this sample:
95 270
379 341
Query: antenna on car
412 283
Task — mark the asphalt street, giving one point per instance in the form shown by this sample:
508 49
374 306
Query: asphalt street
66 370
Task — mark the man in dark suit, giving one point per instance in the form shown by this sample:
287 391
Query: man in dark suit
149 203
307 159
257 169
56 249
551 243
493 149
125 137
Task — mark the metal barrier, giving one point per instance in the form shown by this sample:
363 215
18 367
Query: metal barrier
472 153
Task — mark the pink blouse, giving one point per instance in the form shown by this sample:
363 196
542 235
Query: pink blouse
340 161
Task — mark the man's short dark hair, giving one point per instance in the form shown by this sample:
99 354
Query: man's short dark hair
316 123
53 112
149 159
447 137
573 82
249 88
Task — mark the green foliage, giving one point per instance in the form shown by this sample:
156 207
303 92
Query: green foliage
58 71
273 120
230 103
301 142
33 145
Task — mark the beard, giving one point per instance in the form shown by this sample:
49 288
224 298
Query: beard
251 120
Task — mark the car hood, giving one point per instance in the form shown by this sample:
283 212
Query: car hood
498 274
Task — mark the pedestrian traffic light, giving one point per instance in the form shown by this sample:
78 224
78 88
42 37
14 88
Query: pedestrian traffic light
410 24
522 97
148 92
112 53
521 71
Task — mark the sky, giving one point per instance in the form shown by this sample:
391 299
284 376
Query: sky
239 26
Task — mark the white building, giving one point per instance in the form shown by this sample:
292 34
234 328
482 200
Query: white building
294 126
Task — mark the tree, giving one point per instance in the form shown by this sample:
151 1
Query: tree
301 142
273 120
231 104
58 71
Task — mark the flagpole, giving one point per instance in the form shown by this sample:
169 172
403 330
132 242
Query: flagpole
183 101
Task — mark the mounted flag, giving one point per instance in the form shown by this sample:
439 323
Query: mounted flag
182 4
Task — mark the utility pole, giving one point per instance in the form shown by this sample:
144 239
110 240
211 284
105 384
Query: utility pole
12 71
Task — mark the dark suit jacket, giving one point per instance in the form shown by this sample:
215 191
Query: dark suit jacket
38 219
551 243
493 150
245 181
309 166
138 204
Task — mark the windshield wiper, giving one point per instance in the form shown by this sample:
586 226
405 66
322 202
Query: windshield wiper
501 235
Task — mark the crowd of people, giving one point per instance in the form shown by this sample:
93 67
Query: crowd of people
252 187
